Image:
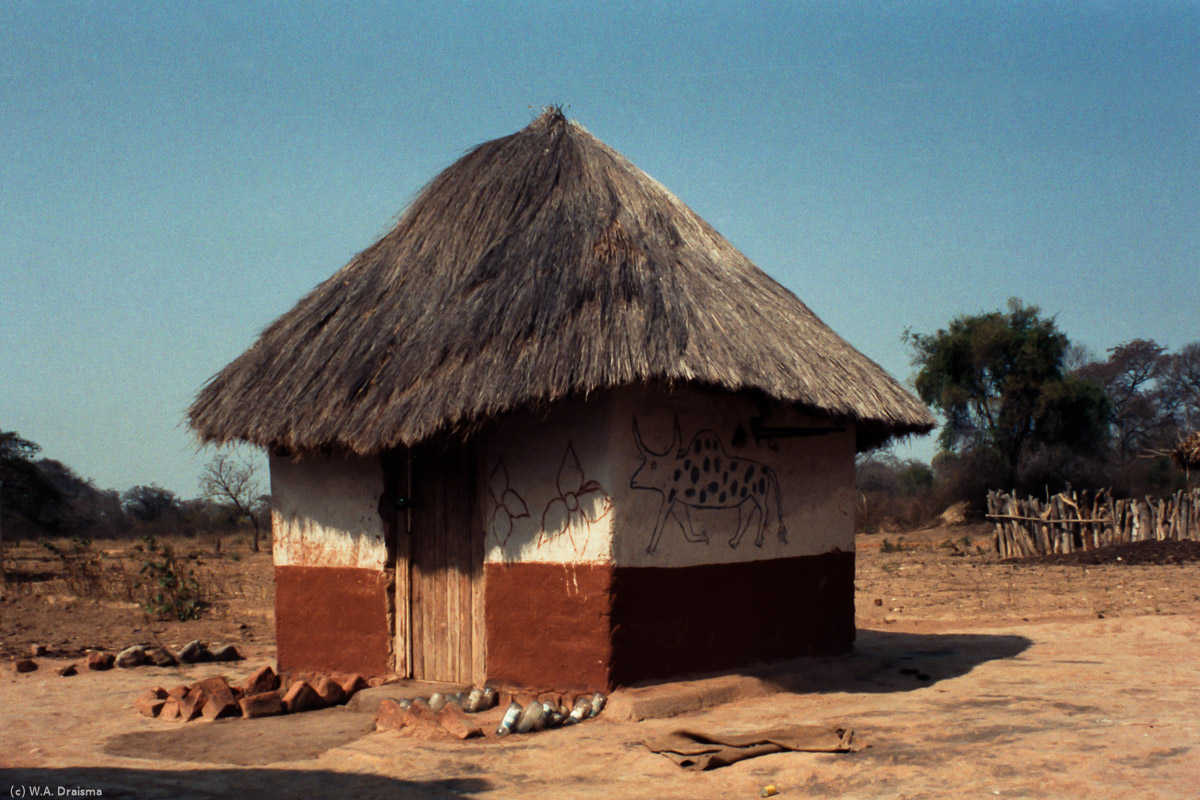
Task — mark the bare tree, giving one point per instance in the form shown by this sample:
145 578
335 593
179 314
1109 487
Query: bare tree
234 482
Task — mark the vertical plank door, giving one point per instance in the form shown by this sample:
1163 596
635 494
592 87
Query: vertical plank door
445 549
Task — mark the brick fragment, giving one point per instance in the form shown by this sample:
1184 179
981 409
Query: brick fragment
218 698
192 705
170 710
455 722
263 704
150 702
389 716
330 692
300 697
351 684
264 679
420 722
99 660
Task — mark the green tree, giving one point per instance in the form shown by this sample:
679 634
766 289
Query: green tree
149 503
999 381
25 491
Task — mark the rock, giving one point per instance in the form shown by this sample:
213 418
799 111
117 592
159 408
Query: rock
37 650
455 722
131 657
170 709
376 681
330 692
218 698
192 705
150 702
100 660
264 679
421 722
226 653
193 652
68 670
389 716
179 692
263 704
955 514
300 697
351 684
161 657
25 665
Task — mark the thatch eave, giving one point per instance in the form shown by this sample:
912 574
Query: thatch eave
539 266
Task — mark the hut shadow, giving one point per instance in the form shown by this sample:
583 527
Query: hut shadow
887 661
194 784
879 662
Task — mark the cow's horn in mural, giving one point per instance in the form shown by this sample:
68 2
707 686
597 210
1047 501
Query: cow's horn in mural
703 476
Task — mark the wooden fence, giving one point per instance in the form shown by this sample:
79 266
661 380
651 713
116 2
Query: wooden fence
1065 523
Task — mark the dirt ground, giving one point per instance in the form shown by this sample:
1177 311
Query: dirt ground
970 678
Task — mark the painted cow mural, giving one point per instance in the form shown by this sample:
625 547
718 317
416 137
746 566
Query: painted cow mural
703 476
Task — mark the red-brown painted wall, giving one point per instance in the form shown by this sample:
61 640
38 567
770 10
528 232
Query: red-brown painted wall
548 625
671 621
332 619
567 628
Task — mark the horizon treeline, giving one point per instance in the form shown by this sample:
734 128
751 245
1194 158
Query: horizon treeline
42 497
1024 409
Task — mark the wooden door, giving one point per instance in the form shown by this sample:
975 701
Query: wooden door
439 608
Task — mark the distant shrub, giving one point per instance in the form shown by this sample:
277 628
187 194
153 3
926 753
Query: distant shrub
171 587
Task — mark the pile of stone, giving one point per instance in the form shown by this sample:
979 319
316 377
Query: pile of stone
258 696
194 652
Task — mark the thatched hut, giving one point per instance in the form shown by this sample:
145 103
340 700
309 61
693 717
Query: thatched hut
554 430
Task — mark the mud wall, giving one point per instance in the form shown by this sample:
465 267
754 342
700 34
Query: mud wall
331 573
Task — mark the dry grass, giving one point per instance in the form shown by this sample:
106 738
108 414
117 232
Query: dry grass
540 265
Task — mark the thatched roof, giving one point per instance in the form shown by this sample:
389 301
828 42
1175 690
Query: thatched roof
540 265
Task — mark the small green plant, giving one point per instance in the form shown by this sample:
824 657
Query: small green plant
171 587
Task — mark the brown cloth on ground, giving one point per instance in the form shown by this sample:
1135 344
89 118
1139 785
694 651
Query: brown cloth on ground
699 751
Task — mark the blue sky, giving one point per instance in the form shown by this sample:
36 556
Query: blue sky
175 176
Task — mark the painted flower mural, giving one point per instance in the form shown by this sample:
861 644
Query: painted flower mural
579 504
508 504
